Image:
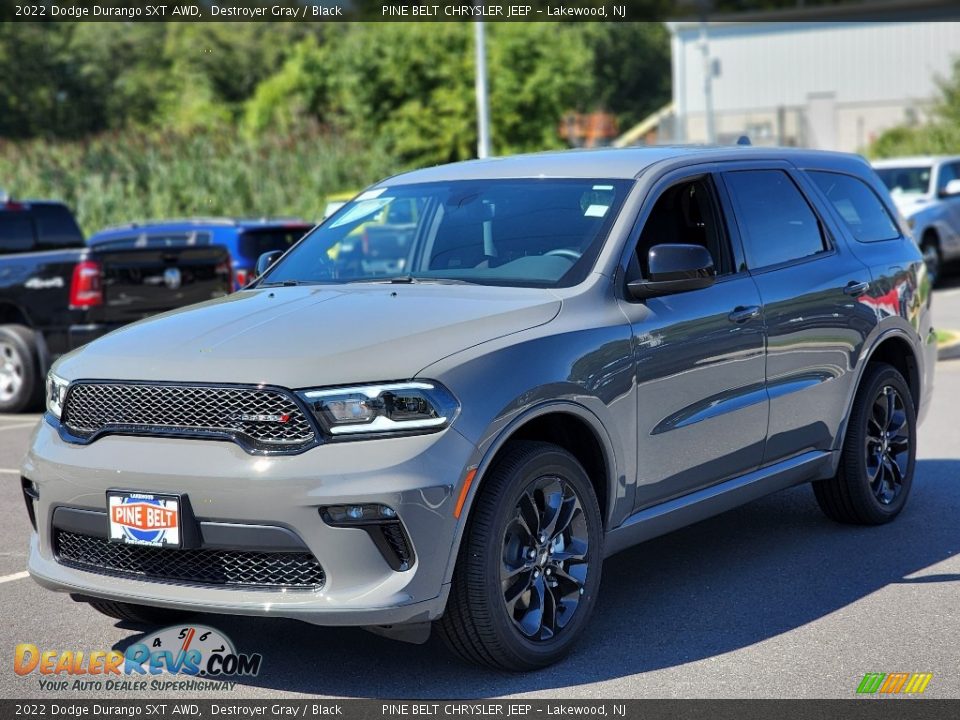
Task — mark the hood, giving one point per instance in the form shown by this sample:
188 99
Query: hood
910 205
311 336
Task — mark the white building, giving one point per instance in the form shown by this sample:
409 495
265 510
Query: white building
827 85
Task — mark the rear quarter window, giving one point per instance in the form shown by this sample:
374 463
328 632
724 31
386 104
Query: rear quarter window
858 205
16 233
56 228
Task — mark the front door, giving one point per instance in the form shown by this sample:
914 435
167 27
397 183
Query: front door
702 406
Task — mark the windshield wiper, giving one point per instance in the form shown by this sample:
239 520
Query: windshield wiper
283 283
398 280
411 280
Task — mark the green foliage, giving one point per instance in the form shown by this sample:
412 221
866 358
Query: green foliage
939 137
136 120
412 85
131 175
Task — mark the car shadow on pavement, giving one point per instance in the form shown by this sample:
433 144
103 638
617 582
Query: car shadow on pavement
724 584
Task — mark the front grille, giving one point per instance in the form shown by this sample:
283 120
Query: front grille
260 419
244 568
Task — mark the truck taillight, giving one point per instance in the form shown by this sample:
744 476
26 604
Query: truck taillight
86 289
241 277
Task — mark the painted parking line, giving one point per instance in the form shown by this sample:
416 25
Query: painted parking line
9 471
16 576
18 427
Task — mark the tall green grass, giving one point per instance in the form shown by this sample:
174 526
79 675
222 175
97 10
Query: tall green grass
134 175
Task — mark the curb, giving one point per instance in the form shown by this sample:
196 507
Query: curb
951 349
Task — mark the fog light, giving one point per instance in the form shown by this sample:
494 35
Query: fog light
347 515
383 526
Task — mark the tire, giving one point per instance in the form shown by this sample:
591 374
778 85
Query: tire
858 494
477 624
932 256
21 382
136 614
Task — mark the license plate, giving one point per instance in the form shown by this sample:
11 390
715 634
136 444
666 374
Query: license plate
144 519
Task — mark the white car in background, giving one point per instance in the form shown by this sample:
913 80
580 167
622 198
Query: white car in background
926 191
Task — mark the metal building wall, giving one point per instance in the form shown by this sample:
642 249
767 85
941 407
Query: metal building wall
830 85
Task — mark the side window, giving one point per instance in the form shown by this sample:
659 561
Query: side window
56 228
16 232
948 172
858 205
775 220
686 213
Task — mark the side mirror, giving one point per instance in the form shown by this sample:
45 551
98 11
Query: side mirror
951 189
673 269
265 261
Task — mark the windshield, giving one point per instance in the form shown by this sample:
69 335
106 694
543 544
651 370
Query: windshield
906 180
527 232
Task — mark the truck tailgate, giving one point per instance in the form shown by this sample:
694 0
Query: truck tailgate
138 282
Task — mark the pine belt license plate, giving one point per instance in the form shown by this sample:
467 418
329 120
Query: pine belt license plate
144 519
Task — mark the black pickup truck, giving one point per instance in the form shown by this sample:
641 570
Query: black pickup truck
57 294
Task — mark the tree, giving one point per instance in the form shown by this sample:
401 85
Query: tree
941 136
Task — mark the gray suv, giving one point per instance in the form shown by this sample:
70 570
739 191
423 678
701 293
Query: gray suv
583 350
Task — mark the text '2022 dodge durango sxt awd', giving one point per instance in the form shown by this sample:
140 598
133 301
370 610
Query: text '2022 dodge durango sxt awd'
450 422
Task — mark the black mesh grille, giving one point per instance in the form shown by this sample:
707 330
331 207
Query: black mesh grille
207 567
397 541
260 419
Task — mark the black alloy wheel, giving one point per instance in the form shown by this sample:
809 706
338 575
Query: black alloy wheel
529 566
877 461
545 565
888 445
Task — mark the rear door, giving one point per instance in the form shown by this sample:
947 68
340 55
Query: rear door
151 273
809 285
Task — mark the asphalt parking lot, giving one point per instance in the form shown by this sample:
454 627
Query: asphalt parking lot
769 600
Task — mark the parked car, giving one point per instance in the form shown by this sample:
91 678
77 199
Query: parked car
926 191
57 294
584 350
245 240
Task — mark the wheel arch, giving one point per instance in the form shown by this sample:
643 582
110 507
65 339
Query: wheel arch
589 443
894 348
13 314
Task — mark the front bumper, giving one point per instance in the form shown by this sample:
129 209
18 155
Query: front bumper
417 476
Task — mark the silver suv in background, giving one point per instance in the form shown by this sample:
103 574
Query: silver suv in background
579 351
926 191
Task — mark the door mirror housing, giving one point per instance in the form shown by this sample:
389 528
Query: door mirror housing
265 261
674 268
951 189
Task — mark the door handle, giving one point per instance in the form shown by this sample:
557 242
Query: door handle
856 289
742 314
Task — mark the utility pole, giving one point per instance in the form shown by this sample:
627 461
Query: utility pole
708 71
483 105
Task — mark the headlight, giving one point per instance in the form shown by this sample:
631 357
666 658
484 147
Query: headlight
56 391
382 409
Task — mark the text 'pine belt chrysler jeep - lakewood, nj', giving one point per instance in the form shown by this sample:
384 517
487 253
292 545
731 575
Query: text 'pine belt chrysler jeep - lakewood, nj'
584 350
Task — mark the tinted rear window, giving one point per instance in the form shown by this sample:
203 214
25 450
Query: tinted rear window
858 205
16 232
56 227
776 222
253 243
